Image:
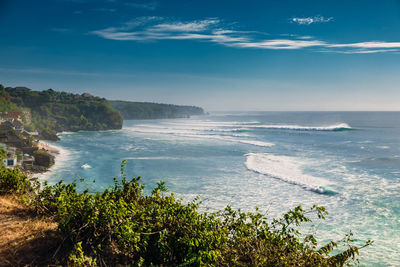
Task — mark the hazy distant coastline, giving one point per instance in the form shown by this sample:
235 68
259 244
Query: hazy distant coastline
146 110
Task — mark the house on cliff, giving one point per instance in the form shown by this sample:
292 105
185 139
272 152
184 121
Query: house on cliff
10 116
14 115
10 161
18 125
3 138
6 126
10 125
28 161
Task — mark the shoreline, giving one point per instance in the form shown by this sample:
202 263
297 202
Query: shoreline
52 150
61 157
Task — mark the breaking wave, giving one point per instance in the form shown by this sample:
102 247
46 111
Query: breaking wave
287 169
86 166
335 127
256 143
63 158
226 135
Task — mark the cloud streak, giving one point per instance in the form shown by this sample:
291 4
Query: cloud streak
311 20
213 30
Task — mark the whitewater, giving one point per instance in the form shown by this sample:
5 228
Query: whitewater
348 162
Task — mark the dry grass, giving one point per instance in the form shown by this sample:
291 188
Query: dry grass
25 239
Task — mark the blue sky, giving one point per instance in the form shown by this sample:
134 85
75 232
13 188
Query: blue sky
222 55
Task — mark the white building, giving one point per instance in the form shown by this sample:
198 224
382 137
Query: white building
10 161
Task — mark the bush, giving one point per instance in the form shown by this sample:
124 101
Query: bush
14 181
3 155
123 226
78 258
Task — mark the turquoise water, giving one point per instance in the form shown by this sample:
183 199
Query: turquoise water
347 161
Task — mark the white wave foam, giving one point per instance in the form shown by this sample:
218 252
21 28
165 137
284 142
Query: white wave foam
335 127
287 169
66 133
62 159
227 130
383 147
152 158
185 131
203 122
177 131
256 143
159 130
213 123
86 166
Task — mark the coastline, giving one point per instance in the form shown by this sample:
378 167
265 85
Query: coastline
60 155
53 150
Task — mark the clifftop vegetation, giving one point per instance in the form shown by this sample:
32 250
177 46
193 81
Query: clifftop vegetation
123 226
53 111
5 102
143 110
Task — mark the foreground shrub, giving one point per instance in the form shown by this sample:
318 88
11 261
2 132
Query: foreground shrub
122 225
14 181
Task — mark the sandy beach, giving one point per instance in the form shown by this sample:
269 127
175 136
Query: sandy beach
49 148
53 150
61 157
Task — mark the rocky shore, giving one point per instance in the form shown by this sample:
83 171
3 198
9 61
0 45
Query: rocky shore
44 160
22 149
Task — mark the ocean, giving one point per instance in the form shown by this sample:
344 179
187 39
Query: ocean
348 162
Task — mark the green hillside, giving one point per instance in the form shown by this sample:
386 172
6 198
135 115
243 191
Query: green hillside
5 102
145 110
53 111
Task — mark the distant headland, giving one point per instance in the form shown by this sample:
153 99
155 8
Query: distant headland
27 116
145 110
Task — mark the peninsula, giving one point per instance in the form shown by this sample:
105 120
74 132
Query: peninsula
27 116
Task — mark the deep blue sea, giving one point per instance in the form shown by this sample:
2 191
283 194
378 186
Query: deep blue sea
348 162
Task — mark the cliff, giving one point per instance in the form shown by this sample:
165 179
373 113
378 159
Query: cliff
53 111
43 158
145 110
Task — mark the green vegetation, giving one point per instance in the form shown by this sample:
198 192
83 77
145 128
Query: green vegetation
124 226
5 102
13 181
143 110
53 111
3 153
50 112
19 156
43 158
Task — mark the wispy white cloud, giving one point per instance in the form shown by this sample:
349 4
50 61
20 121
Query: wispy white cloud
362 51
194 26
147 6
311 20
214 30
281 44
375 44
